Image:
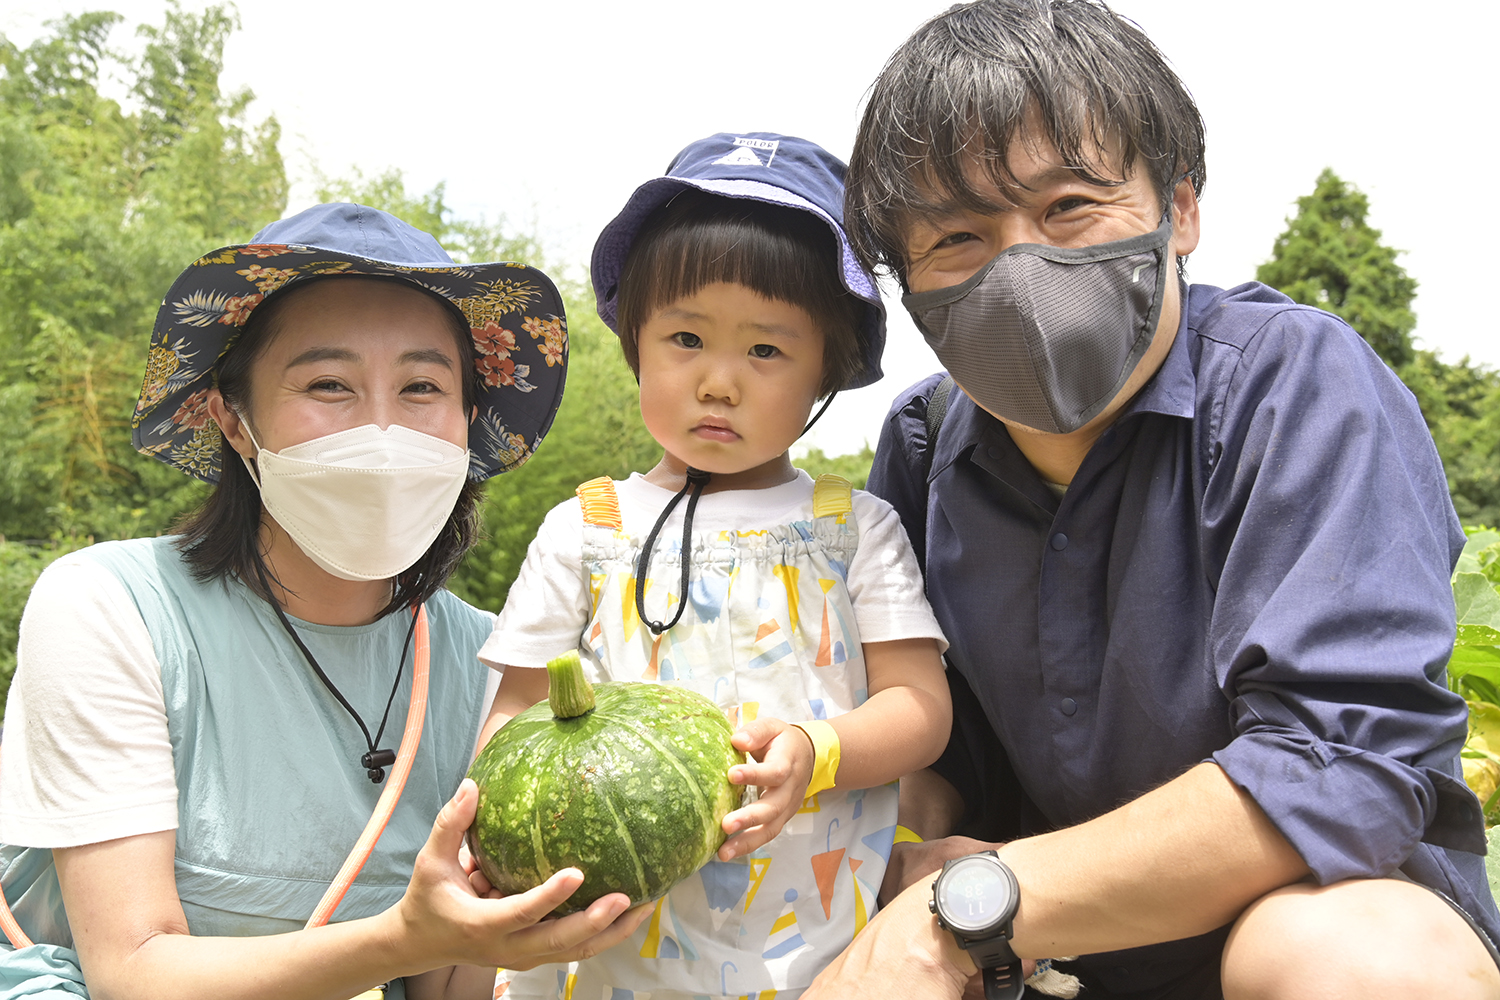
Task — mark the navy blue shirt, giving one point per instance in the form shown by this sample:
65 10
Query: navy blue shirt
1250 566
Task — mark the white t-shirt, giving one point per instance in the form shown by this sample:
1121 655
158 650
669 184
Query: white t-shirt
86 755
548 605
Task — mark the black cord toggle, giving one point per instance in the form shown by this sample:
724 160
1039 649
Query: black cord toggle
375 763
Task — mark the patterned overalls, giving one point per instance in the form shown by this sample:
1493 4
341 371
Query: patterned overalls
769 631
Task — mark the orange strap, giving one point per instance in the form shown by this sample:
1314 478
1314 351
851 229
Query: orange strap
416 715
600 503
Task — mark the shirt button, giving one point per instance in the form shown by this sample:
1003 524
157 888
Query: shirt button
1069 706
1059 541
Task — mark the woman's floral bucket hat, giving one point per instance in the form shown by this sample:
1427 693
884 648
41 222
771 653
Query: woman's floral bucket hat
515 312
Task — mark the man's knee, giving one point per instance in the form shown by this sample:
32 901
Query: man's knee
1366 938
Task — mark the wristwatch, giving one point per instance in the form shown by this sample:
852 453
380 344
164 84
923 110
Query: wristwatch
975 898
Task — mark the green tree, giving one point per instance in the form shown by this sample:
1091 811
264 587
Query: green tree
1330 257
1461 404
100 208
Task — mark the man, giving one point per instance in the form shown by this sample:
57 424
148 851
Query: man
1191 549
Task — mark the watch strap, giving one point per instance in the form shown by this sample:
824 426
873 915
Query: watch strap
1003 982
990 952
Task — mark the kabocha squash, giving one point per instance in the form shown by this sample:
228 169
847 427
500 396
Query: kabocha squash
626 781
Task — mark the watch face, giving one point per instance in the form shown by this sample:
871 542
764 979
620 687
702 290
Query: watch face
975 894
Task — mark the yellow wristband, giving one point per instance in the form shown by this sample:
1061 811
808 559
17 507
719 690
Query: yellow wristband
905 836
825 741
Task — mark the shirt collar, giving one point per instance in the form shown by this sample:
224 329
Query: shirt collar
1173 390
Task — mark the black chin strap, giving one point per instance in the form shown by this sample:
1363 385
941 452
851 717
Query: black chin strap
821 410
696 480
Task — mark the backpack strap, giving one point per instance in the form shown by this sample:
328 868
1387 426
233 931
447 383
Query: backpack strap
600 503
937 409
833 496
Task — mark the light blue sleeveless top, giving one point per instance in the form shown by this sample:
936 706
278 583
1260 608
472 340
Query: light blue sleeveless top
270 793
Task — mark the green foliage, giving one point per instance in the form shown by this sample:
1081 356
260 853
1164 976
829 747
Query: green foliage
1330 257
466 240
100 208
1474 669
1461 404
855 467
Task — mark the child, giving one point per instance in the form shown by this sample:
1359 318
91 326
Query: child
796 606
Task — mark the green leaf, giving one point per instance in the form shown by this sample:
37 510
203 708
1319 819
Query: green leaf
1477 635
1481 660
1489 563
1484 721
1475 600
1476 687
1479 540
1492 859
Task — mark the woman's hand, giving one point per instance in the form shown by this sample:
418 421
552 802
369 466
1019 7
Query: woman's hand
444 919
783 765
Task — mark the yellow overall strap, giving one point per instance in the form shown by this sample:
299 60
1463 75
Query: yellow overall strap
600 503
833 496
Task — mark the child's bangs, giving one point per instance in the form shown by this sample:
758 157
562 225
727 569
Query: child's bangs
786 254
784 258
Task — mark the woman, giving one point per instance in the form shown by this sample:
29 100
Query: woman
195 732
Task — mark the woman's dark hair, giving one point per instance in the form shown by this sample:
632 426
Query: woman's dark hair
963 86
784 254
221 538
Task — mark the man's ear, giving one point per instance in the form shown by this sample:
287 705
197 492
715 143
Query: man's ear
1184 217
230 424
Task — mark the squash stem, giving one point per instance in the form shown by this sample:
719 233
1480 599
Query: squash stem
568 692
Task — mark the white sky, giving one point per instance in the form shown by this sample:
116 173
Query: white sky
550 113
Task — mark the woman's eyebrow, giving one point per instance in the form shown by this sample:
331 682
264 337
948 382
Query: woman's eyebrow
424 355
315 354
427 356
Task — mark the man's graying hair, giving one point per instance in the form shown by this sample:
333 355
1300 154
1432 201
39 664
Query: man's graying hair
963 85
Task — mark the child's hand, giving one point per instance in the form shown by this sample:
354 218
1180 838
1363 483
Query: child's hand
782 767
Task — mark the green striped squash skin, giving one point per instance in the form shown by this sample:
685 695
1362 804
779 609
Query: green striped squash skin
632 794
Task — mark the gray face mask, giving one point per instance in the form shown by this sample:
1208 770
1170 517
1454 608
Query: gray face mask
1044 336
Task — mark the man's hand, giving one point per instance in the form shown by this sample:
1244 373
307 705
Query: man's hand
783 765
911 863
901 953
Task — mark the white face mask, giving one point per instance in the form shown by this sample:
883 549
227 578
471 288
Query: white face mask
365 503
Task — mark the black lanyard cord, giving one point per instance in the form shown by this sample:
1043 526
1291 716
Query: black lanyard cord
374 761
696 480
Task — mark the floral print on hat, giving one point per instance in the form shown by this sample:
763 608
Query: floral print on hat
514 311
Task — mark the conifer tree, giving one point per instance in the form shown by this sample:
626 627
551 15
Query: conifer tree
1331 257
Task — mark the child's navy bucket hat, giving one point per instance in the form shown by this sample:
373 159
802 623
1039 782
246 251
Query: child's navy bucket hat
515 312
763 166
